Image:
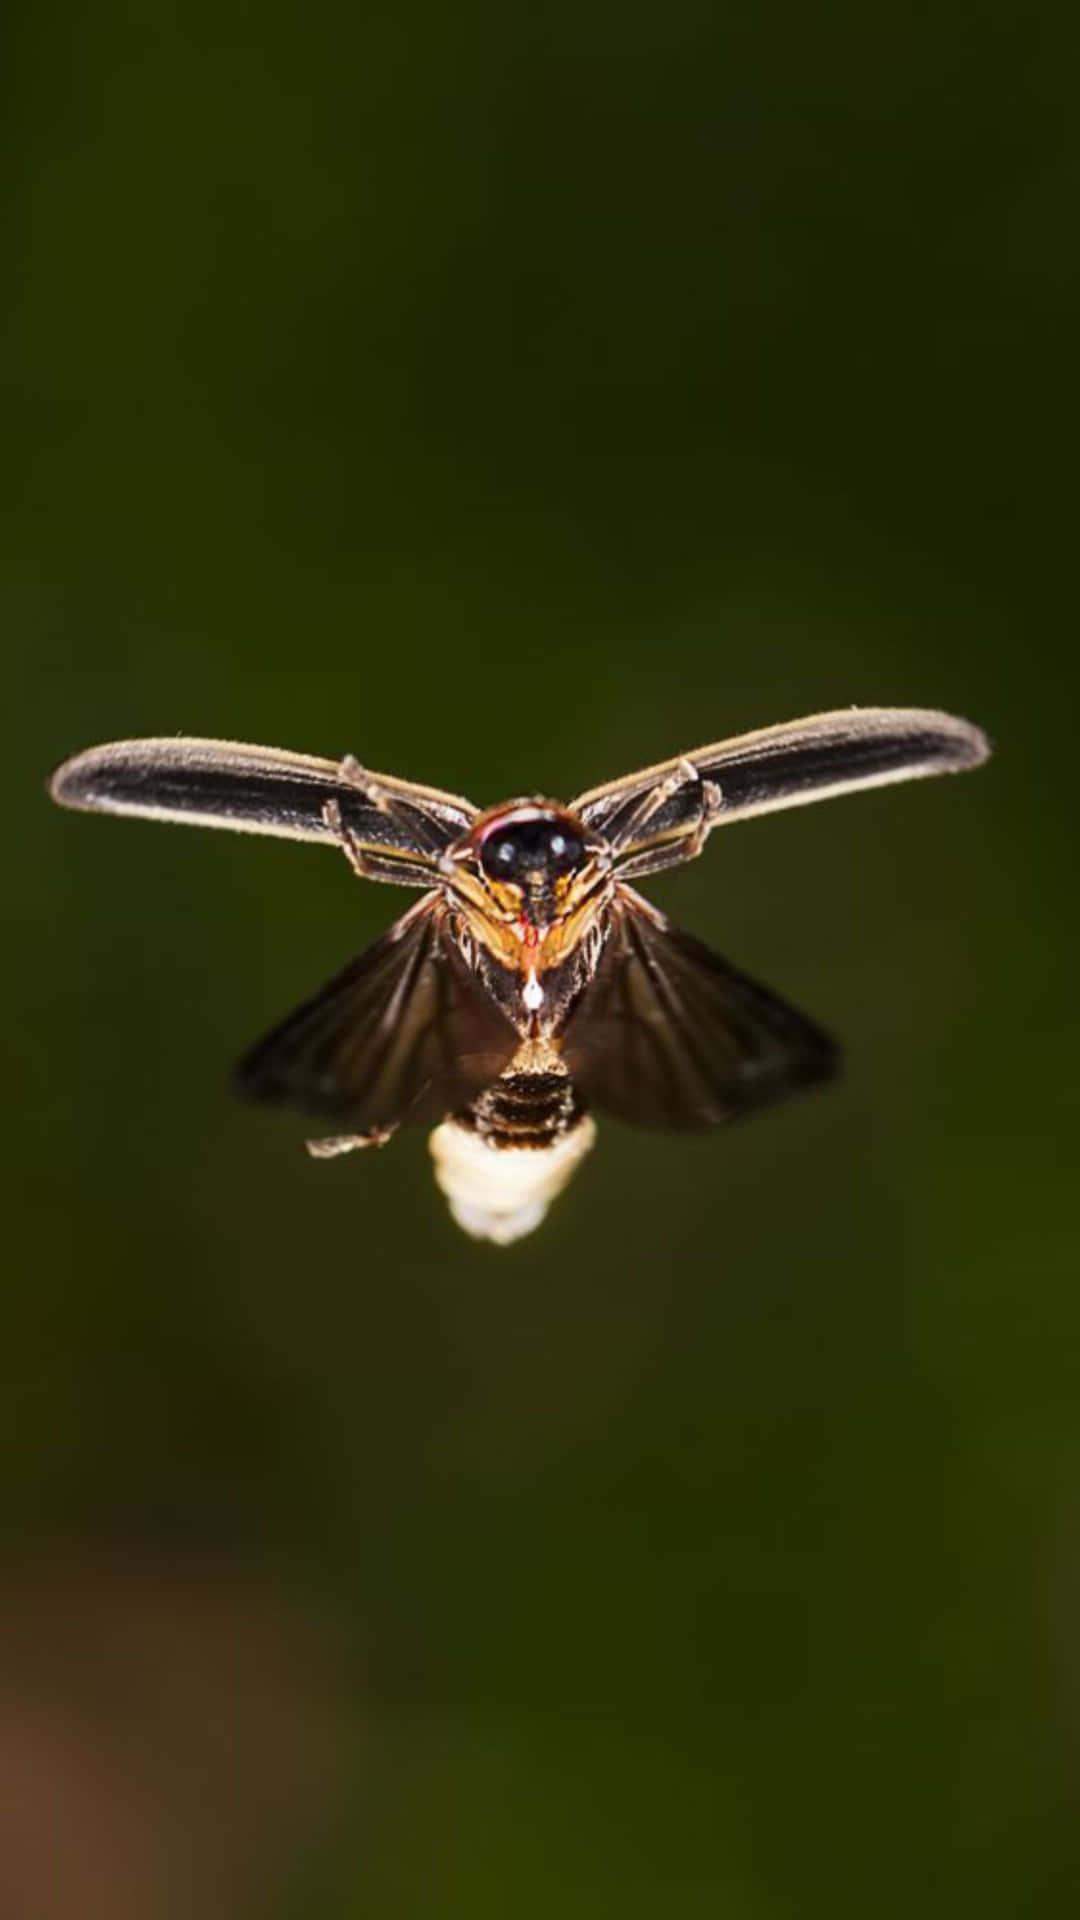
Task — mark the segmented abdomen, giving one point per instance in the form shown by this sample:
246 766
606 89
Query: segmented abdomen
525 1110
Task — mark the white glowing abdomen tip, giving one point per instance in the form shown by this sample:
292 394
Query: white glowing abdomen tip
502 1193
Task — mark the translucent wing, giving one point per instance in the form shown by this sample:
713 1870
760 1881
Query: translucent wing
668 1034
661 815
399 828
405 1034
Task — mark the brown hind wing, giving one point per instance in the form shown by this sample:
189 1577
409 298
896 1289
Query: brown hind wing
403 1036
667 1034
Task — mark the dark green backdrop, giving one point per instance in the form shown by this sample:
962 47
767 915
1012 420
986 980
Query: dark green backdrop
510 396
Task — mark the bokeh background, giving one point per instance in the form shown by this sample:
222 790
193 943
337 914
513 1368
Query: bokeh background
511 396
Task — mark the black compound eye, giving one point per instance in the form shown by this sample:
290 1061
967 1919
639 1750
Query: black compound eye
500 856
530 850
564 849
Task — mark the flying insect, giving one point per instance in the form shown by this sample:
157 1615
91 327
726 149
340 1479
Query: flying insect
531 982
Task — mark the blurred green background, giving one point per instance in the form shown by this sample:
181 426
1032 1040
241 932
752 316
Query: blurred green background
511 396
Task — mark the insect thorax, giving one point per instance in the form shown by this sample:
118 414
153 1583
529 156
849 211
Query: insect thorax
539 1005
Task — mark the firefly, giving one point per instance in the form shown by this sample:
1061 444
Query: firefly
530 984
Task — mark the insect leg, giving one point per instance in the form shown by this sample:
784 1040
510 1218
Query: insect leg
384 863
333 1144
347 840
649 803
671 845
710 807
409 814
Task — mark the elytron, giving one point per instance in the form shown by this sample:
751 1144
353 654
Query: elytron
531 982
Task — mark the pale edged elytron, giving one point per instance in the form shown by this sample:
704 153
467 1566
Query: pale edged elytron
530 982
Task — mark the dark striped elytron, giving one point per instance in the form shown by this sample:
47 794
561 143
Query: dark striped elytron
530 982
